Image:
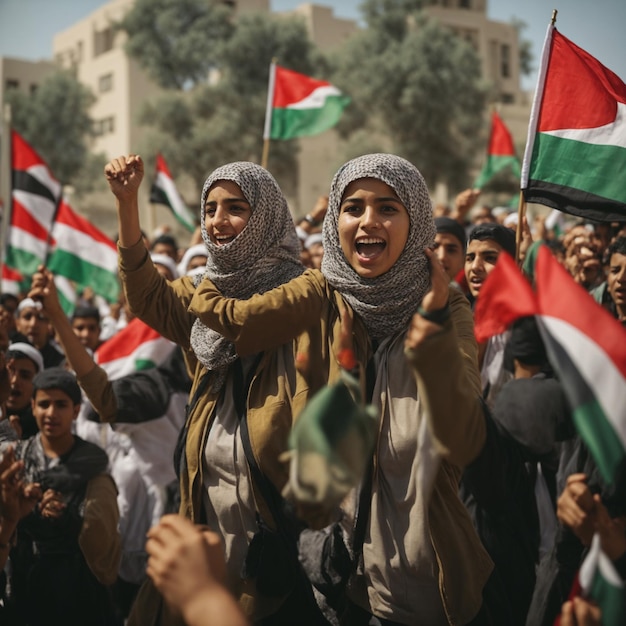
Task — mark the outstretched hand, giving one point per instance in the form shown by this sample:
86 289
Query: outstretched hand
124 175
44 290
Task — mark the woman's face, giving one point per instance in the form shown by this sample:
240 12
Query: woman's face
226 212
373 226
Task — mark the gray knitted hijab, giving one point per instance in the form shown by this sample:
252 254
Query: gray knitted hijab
264 255
385 303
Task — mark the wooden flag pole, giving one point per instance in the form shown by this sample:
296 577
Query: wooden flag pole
521 213
268 114
6 174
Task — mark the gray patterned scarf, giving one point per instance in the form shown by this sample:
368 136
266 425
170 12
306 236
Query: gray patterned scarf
385 303
264 255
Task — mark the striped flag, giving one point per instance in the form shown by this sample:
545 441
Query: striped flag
83 254
500 153
298 105
585 345
576 149
34 199
599 581
135 347
163 191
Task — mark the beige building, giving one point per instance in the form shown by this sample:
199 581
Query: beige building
95 52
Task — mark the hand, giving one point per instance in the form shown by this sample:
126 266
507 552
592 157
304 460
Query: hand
44 290
580 612
184 560
435 299
319 210
51 505
16 499
575 508
463 203
124 176
16 425
611 530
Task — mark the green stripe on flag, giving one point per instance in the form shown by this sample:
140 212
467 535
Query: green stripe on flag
611 599
23 261
144 364
85 274
600 437
593 168
494 164
289 123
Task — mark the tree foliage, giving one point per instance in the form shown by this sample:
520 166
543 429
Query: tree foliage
221 120
176 42
55 121
415 86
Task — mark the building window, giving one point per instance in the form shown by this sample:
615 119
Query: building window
105 126
33 88
505 60
102 41
465 4
507 98
12 84
105 83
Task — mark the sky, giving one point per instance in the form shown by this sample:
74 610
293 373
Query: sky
27 27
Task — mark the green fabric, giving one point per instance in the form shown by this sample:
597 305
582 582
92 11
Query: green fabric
331 444
291 122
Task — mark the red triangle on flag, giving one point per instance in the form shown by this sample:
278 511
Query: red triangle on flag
505 296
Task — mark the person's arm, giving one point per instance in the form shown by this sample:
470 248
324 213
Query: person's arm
444 356
99 538
186 564
16 500
124 175
44 290
265 320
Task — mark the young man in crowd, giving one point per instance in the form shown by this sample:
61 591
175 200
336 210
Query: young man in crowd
34 327
68 549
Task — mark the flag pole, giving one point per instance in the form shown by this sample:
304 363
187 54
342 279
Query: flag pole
521 212
268 114
5 179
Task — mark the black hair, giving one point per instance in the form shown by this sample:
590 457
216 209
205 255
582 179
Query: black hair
86 311
501 234
166 239
452 227
58 378
617 246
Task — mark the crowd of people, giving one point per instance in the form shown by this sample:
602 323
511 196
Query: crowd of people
164 497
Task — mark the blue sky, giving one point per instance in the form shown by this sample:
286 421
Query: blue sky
28 26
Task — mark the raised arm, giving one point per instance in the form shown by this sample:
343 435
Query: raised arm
265 320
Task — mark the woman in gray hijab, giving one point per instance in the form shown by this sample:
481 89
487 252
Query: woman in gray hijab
420 560
239 414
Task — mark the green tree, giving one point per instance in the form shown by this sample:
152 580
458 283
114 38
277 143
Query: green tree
55 121
416 87
221 120
176 42
525 47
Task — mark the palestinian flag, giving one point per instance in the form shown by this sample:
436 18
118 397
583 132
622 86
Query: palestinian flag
163 191
298 105
599 581
35 196
586 347
500 153
135 347
83 254
576 150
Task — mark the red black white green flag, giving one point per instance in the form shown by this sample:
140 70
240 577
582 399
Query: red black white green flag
163 191
575 154
35 197
586 347
500 152
298 105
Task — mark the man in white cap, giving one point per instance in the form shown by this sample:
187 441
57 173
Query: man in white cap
23 362
33 326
